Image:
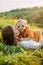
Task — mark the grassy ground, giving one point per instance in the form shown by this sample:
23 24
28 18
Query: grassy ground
15 55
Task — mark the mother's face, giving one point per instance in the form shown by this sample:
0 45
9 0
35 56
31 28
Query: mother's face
16 33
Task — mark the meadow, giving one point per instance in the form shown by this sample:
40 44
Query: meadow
15 55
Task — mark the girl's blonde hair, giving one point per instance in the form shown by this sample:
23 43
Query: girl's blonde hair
21 20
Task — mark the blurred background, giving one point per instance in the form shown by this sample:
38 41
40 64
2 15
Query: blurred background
12 10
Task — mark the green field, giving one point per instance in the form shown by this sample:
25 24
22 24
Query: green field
15 55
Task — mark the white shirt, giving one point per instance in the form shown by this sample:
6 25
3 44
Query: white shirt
29 44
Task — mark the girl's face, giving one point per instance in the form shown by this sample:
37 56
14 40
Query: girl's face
21 26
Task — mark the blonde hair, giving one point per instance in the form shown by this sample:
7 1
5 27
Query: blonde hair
21 20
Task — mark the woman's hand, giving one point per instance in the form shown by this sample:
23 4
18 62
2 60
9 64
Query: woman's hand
17 39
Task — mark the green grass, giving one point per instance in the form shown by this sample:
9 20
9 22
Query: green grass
15 55
35 26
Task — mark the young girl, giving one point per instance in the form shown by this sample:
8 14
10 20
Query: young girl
26 32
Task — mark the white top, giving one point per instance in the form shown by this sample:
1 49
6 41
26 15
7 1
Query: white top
29 44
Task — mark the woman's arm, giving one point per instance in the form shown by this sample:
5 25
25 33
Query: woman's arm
25 39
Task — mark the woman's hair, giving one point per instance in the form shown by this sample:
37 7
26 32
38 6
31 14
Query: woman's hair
8 35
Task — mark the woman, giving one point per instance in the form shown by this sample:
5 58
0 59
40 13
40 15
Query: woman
11 36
